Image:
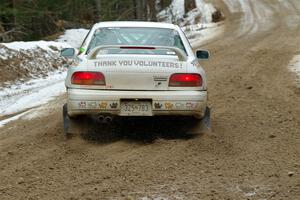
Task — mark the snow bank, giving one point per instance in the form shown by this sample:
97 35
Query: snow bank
73 37
19 97
46 45
26 62
23 97
175 13
197 23
21 61
200 34
33 73
205 10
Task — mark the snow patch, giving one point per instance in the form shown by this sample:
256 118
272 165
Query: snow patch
27 115
200 34
294 66
177 7
18 66
46 45
73 37
16 117
4 54
172 14
42 73
36 92
197 23
258 16
175 13
206 10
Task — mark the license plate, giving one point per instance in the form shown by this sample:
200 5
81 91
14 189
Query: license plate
136 108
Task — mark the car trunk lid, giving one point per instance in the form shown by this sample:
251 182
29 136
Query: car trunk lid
137 72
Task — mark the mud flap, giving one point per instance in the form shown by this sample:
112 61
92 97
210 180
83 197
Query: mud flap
73 125
201 126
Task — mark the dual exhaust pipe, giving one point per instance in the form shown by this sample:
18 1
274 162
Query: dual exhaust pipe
105 119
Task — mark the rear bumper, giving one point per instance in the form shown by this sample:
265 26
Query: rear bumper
187 103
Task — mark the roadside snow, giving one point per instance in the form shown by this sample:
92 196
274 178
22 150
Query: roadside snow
177 7
295 67
197 23
73 37
25 64
41 74
200 34
206 10
175 13
4 53
258 16
46 45
20 97
16 117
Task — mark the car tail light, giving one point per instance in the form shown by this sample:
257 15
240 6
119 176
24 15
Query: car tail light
88 78
137 47
185 80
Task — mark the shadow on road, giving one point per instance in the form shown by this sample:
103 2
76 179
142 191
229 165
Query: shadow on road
141 130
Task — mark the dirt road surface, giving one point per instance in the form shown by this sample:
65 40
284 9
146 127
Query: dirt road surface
253 151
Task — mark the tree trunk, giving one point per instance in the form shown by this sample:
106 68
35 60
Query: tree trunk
151 10
189 5
141 9
162 4
97 12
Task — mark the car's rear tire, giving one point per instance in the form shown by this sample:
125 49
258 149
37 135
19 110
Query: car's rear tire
201 125
67 121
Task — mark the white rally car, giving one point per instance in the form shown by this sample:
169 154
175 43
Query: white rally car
135 69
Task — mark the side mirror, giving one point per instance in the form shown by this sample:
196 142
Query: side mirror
68 52
202 54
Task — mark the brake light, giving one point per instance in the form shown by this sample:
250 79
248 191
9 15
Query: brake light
88 78
185 80
137 47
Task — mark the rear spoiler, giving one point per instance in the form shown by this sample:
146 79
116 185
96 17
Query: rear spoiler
179 52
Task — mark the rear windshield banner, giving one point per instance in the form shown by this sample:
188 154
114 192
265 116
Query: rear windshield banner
139 63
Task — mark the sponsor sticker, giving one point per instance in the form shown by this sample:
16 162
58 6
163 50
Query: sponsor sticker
168 105
82 104
113 105
103 105
92 105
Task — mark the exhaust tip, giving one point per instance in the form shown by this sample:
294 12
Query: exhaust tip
101 118
108 119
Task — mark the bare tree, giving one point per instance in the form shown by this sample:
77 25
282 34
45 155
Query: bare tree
97 12
140 9
145 10
151 10
189 5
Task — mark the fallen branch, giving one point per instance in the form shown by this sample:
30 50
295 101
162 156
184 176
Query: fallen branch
14 30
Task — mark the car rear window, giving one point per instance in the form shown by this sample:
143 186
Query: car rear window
136 36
